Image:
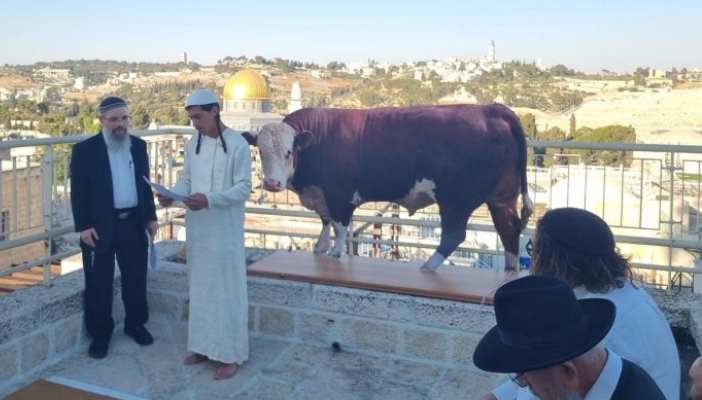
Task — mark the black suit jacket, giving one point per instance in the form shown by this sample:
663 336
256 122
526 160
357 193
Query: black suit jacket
92 198
635 384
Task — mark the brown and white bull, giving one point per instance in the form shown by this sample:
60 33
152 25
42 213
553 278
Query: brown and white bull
458 156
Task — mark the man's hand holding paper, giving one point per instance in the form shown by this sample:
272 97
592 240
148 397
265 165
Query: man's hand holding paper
163 192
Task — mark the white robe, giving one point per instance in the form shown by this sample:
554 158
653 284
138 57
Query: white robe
218 315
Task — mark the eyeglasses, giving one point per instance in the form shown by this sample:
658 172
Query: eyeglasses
124 118
529 247
516 378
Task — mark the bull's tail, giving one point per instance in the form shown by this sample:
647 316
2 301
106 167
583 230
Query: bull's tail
527 204
520 137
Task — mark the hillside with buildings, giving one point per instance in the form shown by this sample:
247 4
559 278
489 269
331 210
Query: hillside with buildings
58 98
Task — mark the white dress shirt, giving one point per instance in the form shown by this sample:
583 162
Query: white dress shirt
607 382
123 183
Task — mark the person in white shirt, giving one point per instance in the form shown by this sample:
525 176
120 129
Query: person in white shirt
548 340
578 247
216 180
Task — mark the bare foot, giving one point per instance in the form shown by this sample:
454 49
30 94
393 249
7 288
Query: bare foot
194 359
226 371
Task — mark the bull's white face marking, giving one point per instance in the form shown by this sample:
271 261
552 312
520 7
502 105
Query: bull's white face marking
275 144
420 196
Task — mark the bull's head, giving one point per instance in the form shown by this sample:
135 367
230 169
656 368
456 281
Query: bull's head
279 147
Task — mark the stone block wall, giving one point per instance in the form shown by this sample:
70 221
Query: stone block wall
366 321
40 325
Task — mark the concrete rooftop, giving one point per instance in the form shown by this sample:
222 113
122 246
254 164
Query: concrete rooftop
276 369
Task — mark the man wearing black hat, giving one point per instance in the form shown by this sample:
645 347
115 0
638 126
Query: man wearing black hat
549 341
578 246
113 208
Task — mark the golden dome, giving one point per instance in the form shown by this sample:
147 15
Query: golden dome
246 84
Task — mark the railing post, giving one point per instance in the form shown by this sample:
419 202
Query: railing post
671 219
350 238
47 173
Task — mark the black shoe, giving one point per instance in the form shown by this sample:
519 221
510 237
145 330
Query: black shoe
98 349
140 334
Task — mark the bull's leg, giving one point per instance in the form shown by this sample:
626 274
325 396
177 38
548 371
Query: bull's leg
453 233
324 240
340 235
509 227
312 198
341 210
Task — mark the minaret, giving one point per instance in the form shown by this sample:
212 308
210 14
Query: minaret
295 98
491 52
184 58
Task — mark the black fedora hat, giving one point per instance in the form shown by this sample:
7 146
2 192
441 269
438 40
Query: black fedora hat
540 323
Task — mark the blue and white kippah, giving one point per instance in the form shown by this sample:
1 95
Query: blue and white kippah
110 103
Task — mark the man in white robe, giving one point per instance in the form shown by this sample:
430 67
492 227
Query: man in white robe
216 179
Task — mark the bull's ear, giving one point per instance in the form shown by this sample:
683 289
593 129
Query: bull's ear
252 139
303 139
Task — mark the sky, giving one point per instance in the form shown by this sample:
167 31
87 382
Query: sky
585 35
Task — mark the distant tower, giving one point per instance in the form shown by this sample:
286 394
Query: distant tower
184 58
491 52
295 98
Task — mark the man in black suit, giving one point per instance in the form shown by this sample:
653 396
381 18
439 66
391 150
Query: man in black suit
549 342
113 207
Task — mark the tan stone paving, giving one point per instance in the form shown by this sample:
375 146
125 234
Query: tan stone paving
276 369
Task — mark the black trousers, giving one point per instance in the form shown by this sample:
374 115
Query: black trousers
131 248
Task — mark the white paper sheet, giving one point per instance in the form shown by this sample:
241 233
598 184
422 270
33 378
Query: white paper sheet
162 190
153 255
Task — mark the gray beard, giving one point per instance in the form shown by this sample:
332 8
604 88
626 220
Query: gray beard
117 143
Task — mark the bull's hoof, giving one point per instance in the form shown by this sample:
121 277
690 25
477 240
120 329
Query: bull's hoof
433 263
426 267
511 275
334 254
321 248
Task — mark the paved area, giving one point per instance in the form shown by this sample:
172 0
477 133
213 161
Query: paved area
276 369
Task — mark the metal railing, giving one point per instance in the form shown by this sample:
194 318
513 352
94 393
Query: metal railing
649 194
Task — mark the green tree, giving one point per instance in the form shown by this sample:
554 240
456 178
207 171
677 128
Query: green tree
571 133
87 124
561 70
53 124
606 134
529 124
554 155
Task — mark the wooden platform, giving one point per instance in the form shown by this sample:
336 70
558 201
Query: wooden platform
448 282
43 389
29 277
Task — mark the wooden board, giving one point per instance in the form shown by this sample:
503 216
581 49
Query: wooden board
42 389
448 282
